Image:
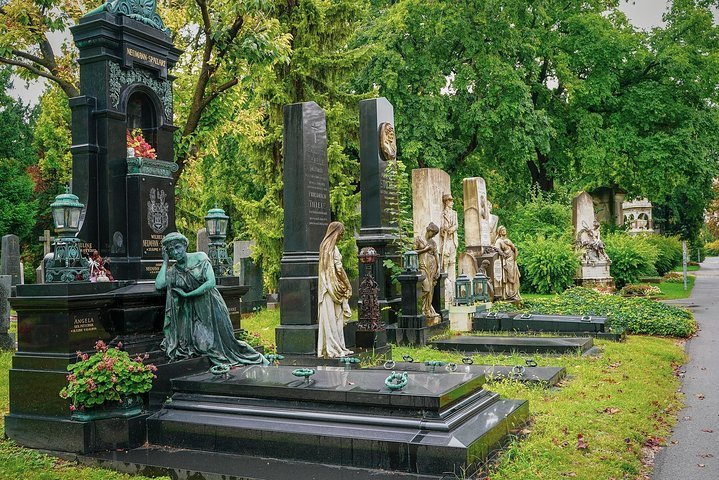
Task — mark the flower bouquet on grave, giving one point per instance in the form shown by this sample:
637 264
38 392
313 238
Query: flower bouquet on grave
137 142
107 383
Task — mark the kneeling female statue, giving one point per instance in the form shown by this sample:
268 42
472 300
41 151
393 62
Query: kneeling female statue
333 294
197 321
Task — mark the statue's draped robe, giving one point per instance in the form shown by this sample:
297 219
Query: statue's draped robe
333 293
428 265
510 271
200 325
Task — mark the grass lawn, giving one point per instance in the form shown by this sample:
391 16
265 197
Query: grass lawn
618 402
671 290
534 296
690 268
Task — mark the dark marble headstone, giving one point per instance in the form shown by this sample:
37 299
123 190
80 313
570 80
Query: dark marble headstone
379 228
6 340
307 214
10 258
250 274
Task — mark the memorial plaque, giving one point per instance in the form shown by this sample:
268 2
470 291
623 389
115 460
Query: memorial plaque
203 240
10 258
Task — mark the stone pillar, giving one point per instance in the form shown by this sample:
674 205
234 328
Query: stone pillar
307 214
379 229
6 339
10 258
428 186
479 229
203 240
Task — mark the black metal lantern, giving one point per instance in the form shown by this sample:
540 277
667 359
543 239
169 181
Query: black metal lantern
480 288
410 260
67 263
216 225
462 290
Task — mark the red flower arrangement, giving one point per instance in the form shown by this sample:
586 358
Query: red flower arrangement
142 149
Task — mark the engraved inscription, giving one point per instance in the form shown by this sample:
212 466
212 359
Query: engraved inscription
152 245
84 323
146 57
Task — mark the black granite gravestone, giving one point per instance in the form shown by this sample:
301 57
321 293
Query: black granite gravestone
129 202
10 258
379 198
307 214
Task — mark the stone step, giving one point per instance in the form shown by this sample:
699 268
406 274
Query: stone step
507 344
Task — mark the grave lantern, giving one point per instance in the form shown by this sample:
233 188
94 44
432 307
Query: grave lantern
410 260
66 211
463 290
216 224
480 290
67 263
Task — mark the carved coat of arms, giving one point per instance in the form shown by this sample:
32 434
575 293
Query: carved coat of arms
157 211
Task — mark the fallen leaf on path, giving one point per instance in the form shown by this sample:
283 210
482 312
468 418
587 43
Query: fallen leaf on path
700 396
581 443
707 430
611 410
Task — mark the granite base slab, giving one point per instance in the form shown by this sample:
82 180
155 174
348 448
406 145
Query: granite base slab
471 344
437 423
183 464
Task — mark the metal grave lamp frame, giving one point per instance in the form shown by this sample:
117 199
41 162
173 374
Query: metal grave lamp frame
480 290
216 224
67 263
463 294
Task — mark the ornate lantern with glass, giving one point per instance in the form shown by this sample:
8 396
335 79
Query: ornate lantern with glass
67 263
216 225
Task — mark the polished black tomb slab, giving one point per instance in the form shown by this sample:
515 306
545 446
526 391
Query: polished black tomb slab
545 376
482 344
436 424
582 325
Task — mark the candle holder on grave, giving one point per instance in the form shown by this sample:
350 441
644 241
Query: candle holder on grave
463 293
67 263
480 288
371 331
216 224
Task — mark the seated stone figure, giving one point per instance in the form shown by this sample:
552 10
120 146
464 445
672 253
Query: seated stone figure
590 242
197 321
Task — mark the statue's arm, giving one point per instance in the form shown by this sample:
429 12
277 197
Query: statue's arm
161 279
209 276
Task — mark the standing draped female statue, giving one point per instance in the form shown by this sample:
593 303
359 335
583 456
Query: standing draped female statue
510 271
429 265
197 321
333 294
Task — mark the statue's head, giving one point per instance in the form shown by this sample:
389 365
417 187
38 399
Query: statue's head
432 230
447 199
176 245
387 141
596 224
502 231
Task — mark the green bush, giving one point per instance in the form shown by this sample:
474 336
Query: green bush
712 248
541 216
669 252
635 315
632 257
547 266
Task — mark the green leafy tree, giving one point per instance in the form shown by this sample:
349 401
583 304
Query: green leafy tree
17 208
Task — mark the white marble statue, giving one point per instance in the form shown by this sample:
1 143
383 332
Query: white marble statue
510 272
333 294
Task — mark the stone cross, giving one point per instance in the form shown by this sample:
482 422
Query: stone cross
46 240
10 258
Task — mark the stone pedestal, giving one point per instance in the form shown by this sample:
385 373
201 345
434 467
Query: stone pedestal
307 214
7 341
460 317
412 327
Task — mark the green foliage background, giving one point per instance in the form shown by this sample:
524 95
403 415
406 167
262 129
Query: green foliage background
549 96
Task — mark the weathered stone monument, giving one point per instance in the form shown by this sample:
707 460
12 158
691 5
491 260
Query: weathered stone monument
594 268
6 339
203 240
638 216
307 214
10 258
250 275
378 151
480 232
